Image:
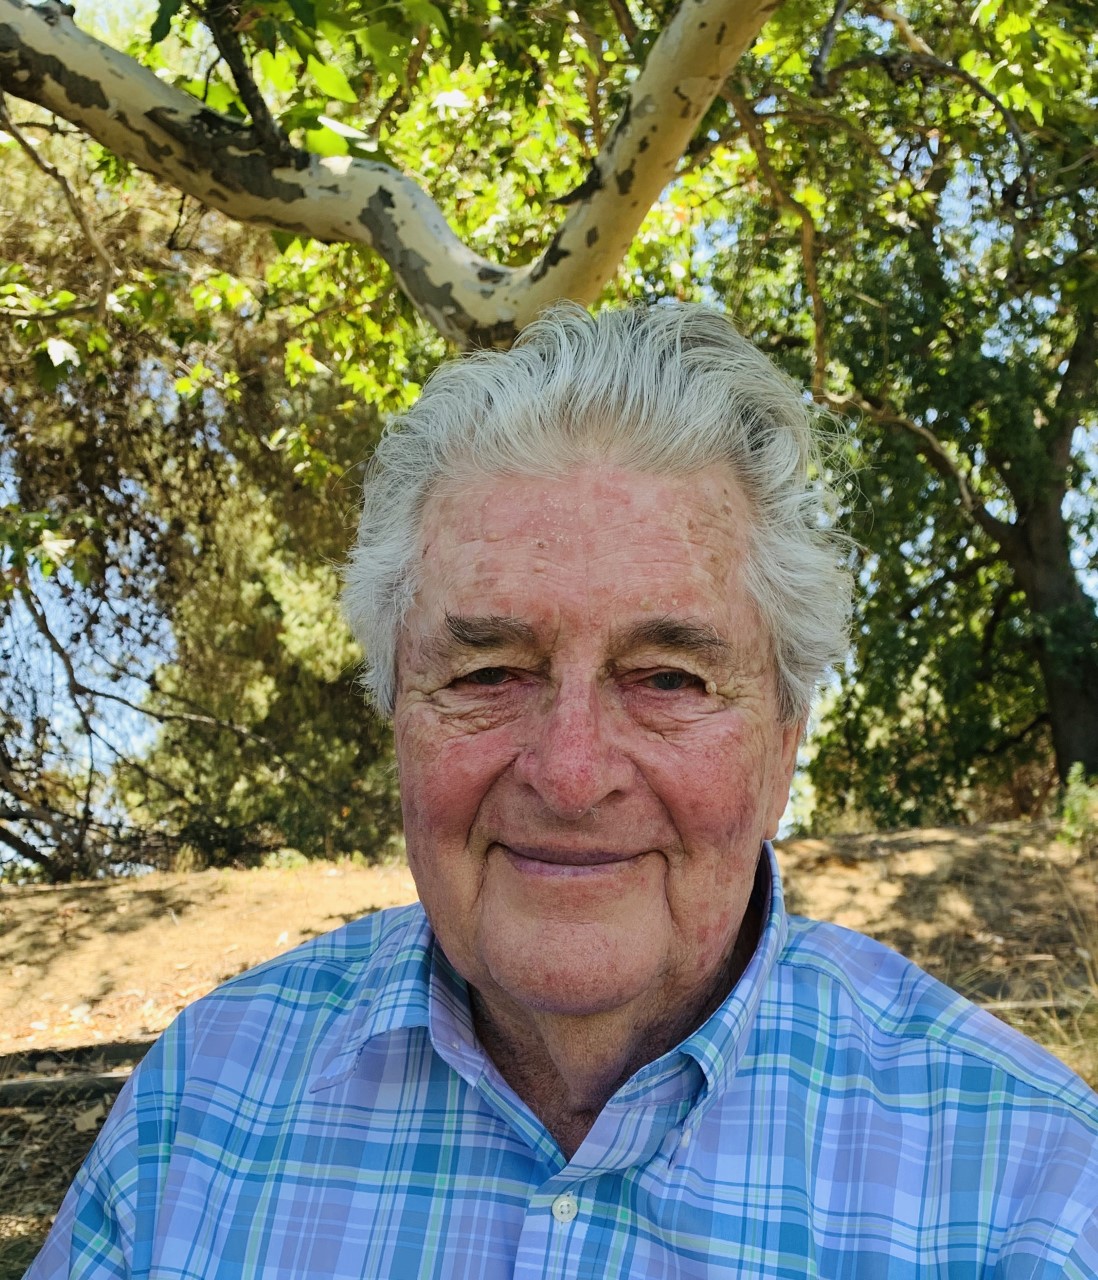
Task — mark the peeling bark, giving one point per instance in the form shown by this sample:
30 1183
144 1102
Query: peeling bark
46 59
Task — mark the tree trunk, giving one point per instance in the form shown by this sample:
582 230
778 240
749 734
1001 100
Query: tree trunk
1066 627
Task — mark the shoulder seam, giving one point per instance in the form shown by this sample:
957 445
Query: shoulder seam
936 1035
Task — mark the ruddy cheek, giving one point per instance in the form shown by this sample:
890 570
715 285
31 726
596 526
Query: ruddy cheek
714 933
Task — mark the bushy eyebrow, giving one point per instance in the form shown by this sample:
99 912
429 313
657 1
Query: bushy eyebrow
488 631
676 635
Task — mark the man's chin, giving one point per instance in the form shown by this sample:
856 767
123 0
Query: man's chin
571 971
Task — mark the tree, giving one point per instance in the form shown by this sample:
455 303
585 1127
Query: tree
252 168
896 203
967 294
174 675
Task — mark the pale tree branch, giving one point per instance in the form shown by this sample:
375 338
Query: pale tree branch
756 133
46 59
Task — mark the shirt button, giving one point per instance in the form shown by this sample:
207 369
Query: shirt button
565 1208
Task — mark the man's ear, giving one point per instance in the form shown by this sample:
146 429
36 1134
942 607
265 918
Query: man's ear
789 742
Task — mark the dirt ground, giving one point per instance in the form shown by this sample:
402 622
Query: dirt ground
1005 913
117 960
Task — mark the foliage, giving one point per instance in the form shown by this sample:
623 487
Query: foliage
1080 811
914 228
176 675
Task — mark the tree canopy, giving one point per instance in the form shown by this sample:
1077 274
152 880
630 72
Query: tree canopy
897 203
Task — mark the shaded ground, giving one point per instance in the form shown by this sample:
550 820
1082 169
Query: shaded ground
1005 913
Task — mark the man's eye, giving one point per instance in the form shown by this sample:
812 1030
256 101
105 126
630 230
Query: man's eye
672 681
486 676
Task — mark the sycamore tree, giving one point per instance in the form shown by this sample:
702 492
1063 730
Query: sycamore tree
292 83
896 202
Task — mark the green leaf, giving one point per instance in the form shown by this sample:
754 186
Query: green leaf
303 43
331 81
217 95
305 12
985 11
278 69
387 48
47 373
794 65
1013 24
424 14
162 24
323 142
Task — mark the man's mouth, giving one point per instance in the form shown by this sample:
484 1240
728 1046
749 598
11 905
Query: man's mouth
556 856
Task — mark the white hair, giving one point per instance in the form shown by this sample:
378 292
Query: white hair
667 390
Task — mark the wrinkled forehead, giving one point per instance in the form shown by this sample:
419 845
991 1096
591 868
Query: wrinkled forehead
587 501
601 543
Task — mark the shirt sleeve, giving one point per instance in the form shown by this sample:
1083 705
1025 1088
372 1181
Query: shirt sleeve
103 1229
93 1232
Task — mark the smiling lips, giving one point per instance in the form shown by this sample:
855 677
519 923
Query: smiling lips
535 857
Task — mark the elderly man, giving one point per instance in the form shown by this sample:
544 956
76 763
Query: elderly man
596 591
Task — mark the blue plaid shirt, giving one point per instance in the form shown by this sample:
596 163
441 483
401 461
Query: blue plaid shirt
331 1114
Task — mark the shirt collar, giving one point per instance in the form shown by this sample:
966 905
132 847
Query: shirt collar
408 982
390 994
719 1044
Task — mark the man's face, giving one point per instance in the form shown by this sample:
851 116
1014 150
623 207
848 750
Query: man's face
588 737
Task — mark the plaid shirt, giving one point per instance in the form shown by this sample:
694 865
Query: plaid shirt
331 1114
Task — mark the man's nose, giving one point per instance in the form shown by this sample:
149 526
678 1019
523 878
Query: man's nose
571 760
